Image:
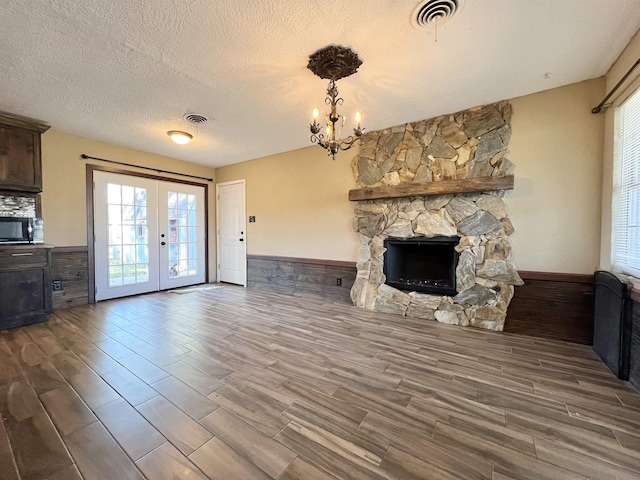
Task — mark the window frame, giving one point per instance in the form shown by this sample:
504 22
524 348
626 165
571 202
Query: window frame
623 186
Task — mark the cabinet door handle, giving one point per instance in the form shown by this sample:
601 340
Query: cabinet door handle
22 254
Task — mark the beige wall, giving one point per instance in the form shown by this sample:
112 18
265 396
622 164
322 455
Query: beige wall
64 192
628 57
555 207
301 207
299 199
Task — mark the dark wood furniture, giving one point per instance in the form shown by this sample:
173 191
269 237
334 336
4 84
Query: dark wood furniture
612 322
20 156
25 284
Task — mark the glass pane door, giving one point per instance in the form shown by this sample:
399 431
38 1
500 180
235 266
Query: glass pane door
125 226
182 233
128 235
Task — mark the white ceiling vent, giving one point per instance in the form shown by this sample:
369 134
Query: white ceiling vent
196 118
433 13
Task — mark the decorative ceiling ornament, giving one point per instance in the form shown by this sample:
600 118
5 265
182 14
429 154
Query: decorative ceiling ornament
333 63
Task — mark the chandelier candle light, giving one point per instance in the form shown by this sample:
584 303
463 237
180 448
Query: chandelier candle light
333 63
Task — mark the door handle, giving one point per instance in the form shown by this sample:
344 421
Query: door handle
242 239
163 243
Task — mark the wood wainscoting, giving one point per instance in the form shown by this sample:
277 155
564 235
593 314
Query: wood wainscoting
302 277
553 305
70 266
549 305
558 306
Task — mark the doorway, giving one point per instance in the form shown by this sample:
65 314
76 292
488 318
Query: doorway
232 248
149 234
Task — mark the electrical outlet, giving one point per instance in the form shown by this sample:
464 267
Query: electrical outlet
57 285
338 282
252 219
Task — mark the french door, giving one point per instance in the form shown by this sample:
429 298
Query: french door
149 235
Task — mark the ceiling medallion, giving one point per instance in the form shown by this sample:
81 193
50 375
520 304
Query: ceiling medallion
333 63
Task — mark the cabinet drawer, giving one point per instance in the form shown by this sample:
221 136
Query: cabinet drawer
22 257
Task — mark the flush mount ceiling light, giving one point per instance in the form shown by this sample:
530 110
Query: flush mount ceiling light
333 63
182 138
179 137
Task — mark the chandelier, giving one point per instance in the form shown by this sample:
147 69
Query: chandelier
333 63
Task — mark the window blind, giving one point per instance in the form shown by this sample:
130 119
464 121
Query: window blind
626 187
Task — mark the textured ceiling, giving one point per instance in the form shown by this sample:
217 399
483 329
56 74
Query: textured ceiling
126 71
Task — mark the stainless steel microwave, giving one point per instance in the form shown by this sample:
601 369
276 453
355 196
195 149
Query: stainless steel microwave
16 230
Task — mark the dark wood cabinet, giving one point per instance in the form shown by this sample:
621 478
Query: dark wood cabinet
25 284
20 156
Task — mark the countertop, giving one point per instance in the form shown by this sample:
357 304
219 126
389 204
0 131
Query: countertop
24 246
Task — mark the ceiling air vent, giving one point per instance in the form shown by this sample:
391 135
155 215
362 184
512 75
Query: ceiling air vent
433 13
196 118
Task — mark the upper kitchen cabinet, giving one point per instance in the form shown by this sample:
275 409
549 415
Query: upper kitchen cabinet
20 156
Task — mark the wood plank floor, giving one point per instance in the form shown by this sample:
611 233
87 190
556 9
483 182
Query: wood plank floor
228 383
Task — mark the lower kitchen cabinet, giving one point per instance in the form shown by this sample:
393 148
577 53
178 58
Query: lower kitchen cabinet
25 284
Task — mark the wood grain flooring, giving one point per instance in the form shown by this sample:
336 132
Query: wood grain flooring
230 383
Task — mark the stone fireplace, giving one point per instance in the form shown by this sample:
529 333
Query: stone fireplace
459 160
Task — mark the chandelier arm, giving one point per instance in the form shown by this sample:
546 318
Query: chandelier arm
319 139
347 143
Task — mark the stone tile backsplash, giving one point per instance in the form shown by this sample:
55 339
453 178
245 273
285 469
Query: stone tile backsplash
16 205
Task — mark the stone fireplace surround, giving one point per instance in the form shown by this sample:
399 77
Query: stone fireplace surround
464 145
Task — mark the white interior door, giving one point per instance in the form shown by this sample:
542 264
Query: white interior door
149 235
182 234
232 252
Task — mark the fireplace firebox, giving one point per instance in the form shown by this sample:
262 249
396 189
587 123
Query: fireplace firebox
422 264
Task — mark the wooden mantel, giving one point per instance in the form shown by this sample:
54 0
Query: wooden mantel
442 187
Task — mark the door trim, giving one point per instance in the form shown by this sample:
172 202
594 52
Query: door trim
244 218
90 168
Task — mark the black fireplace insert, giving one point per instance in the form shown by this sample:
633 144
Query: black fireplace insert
422 264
